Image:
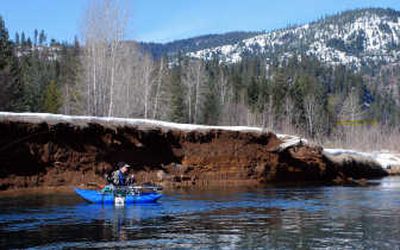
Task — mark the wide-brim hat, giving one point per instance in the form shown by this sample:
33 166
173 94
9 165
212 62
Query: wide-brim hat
123 164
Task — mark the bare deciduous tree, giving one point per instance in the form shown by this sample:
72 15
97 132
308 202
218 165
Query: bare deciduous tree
194 79
312 112
350 116
147 82
161 74
103 31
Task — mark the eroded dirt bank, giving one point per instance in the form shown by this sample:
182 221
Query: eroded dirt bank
50 150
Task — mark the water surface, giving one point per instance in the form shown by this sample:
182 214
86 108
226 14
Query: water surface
302 217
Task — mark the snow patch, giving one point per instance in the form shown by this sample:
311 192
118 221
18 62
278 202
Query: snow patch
386 159
113 121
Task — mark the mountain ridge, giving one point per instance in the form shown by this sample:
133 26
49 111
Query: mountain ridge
195 43
359 39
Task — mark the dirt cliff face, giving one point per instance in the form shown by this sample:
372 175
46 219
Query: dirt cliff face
36 152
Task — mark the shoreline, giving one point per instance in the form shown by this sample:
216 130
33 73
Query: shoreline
226 184
36 190
220 185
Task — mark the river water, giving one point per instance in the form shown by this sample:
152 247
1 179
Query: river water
284 217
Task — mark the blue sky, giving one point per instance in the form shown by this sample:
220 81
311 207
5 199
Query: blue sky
167 20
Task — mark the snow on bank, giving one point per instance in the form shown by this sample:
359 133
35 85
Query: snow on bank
289 140
387 160
112 121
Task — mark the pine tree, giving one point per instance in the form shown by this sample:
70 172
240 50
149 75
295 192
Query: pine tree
29 42
17 41
279 90
35 37
70 70
177 102
212 106
7 61
5 46
253 94
42 38
34 74
52 98
23 39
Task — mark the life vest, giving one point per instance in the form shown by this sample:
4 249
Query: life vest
121 178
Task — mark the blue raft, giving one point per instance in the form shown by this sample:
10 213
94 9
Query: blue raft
96 196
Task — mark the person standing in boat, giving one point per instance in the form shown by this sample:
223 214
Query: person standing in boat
120 177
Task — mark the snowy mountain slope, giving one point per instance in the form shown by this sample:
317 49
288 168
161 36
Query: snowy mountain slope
357 38
157 50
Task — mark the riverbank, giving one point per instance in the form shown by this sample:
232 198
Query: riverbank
45 150
37 191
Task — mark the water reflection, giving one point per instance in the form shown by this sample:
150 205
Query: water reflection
284 217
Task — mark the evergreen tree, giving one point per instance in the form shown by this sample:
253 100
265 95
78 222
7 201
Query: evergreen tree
52 98
252 94
34 74
35 37
70 70
279 90
42 37
177 102
212 106
29 42
17 41
23 39
7 73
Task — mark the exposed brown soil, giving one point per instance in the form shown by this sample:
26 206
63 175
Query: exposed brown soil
41 154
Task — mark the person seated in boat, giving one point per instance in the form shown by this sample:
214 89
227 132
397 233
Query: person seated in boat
119 177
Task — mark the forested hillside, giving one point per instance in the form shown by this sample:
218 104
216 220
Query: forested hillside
157 50
108 76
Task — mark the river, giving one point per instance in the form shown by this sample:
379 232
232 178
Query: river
284 217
